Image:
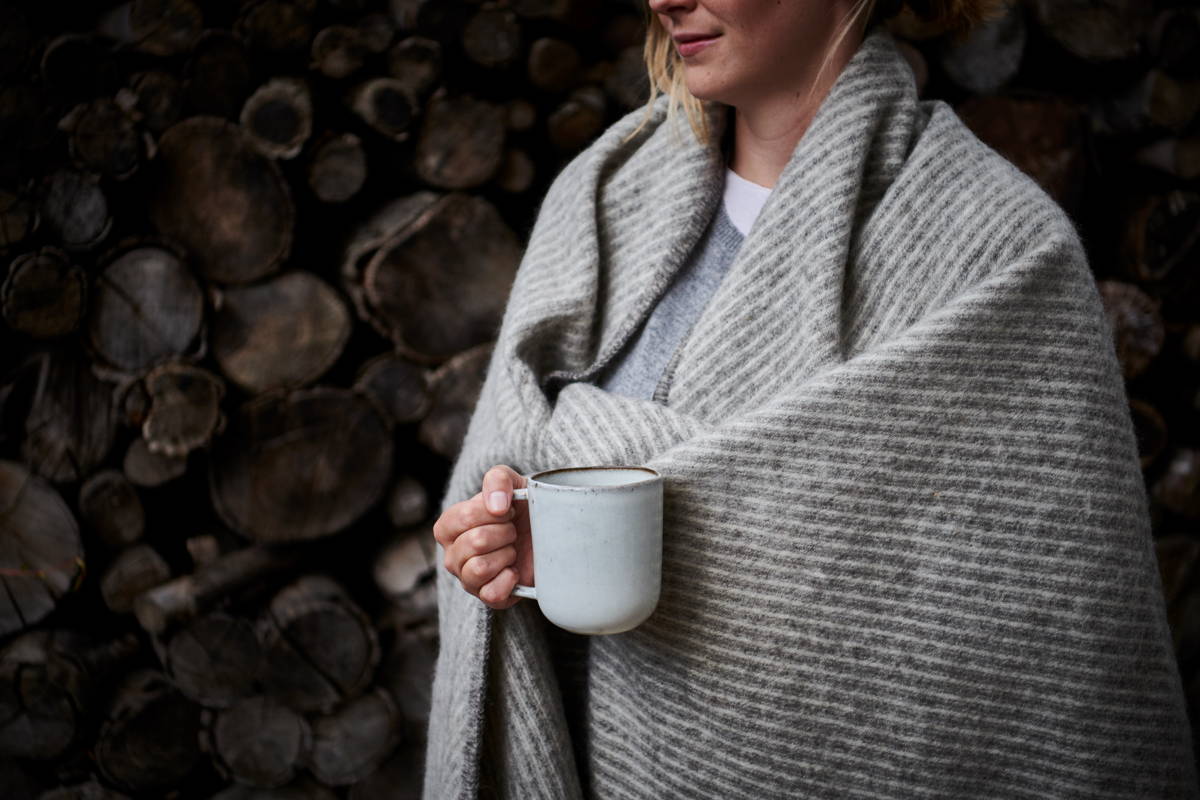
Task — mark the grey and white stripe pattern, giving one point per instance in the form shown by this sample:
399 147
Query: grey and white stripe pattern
907 549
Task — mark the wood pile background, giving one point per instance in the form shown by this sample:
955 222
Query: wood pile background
254 254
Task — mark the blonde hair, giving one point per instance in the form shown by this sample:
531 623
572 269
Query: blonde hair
665 67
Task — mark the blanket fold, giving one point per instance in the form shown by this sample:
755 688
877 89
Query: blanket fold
906 543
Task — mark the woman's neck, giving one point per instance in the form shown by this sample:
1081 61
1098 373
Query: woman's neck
767 129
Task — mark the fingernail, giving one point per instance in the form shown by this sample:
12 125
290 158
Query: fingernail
497 501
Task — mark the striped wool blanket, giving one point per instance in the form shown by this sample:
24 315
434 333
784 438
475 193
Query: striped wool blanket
907 549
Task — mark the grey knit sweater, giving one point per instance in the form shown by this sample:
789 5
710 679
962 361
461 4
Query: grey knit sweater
906 545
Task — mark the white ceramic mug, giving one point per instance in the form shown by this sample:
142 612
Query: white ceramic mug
597 545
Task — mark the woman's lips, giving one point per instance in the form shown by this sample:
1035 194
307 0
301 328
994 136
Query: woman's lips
695 46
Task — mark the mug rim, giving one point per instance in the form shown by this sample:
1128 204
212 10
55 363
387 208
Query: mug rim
655 475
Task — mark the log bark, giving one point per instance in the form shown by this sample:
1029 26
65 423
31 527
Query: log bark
351 743
278 117
111 508
553 64
492 37
275 27
225 202
159 98
404 562
281 333
461 141
1094 31
259 742
388 105
578 120
338 168
185 409
45 294
136 570
338 51
165 27
417 62
320 649
399 778
456 386
216 660
407 674
149 741
301 466
408 503
187 596
990 56
146 308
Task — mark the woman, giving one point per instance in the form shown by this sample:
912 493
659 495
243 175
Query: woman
906 549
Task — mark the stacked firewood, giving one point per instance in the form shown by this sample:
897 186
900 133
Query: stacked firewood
254 254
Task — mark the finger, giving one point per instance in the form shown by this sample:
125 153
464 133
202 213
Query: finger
463 516
497 593
478 541
478 570
498 483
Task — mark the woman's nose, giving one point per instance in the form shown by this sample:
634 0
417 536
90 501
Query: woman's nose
667 6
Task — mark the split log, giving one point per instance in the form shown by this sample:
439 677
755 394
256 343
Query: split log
74 208
553 64
338 51
320 649
404 562
1178 489
278 117
159 98
351 743
438 286
376 31
989 57
111 508
628 82
165 27
400 777
216 660
1162 233
492 37
1178 156
417 62
185 409
1137 325
1041 135
301 466
146 468
71 424
1150 429
1174 40
276 27
134 571
519 114
1157 101
258 741
516 172
187 596
217 78
301 789
388 105
149 741
89 790
407 674
224 201
146 308
408 503
18 218
461 141
456 386
1096 32
338 168
48 680
279 334
398 386
44 295
578 120
103 138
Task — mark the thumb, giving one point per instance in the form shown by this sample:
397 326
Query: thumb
498 483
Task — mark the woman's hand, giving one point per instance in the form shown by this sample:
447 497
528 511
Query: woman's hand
486 539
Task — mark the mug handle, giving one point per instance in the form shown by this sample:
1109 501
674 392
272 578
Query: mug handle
519 590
